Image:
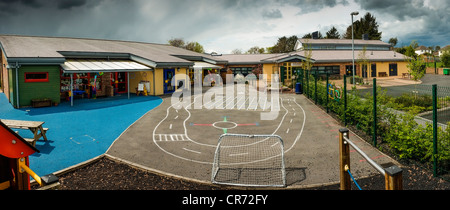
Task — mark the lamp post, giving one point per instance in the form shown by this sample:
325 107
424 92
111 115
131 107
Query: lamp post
353 49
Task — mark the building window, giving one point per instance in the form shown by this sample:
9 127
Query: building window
242 70
323 70
36 77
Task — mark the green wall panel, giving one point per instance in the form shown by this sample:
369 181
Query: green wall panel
38 90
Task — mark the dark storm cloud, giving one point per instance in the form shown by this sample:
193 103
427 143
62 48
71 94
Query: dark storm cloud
67 4
308 6
401 9
431 19
29 3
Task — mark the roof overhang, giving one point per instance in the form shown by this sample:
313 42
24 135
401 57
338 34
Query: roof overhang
34 61
101 65
205 65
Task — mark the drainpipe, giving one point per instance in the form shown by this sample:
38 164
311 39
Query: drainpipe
128 84
154 90
17 84
71 89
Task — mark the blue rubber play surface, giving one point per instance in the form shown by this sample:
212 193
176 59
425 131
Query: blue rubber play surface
81 132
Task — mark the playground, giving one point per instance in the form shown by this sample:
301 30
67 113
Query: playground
182 142
150 133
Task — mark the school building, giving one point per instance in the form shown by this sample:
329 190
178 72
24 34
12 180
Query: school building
60 69
373 59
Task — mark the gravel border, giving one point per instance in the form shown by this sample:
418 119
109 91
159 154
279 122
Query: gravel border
107 174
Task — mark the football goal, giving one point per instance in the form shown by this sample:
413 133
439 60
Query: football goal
249 160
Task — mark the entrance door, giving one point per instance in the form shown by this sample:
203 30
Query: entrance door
120 81
374 70
168 75
393 69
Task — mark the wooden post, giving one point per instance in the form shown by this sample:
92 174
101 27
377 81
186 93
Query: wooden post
344 160
393 178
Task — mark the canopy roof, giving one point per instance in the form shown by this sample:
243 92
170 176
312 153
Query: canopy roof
101 65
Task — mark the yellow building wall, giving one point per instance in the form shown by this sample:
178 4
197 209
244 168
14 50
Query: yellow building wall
268 70
137 77
384 67
159 81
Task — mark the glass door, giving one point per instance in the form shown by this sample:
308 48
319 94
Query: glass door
119 80
168 75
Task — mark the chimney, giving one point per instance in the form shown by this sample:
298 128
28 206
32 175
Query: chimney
365 36
315 34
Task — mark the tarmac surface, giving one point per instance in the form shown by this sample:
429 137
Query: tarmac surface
181 142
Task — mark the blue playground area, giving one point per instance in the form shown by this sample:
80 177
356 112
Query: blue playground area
80 132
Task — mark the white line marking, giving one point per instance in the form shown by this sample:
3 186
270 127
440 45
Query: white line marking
170 126
287 131
192 151
176 117
171 138
290 121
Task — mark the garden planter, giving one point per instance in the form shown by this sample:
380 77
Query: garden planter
41 103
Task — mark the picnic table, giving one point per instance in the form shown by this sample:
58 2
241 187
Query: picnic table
34 126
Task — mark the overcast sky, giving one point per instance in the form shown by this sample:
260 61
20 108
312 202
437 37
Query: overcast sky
222 25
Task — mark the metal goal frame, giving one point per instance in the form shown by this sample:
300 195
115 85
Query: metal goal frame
276 169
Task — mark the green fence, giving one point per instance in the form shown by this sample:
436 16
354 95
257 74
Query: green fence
412 121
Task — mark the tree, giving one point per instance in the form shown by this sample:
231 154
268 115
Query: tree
332 34
410 50
393 41
177 42
417 68
416 65
307 36
364 62
256 50
192 46
445 59
236 51
307 64
366 25
195 46
285 44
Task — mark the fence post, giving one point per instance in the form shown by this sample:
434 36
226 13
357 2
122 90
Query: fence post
345 100
315 87
435 128
393 178
327 96
307 83
344 160
374 134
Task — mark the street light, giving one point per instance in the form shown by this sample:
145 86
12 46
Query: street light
353 49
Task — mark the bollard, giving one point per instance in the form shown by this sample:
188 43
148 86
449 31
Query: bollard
344 160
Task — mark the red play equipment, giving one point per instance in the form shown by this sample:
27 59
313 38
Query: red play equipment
14 165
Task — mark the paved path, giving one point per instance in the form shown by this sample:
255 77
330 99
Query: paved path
182 142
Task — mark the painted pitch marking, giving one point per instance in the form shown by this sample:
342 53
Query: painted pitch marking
192 151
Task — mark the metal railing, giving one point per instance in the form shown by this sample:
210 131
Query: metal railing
393 174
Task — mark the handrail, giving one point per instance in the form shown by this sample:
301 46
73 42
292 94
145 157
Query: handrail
393 174
369 160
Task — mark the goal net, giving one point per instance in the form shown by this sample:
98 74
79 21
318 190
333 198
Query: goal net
249 160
